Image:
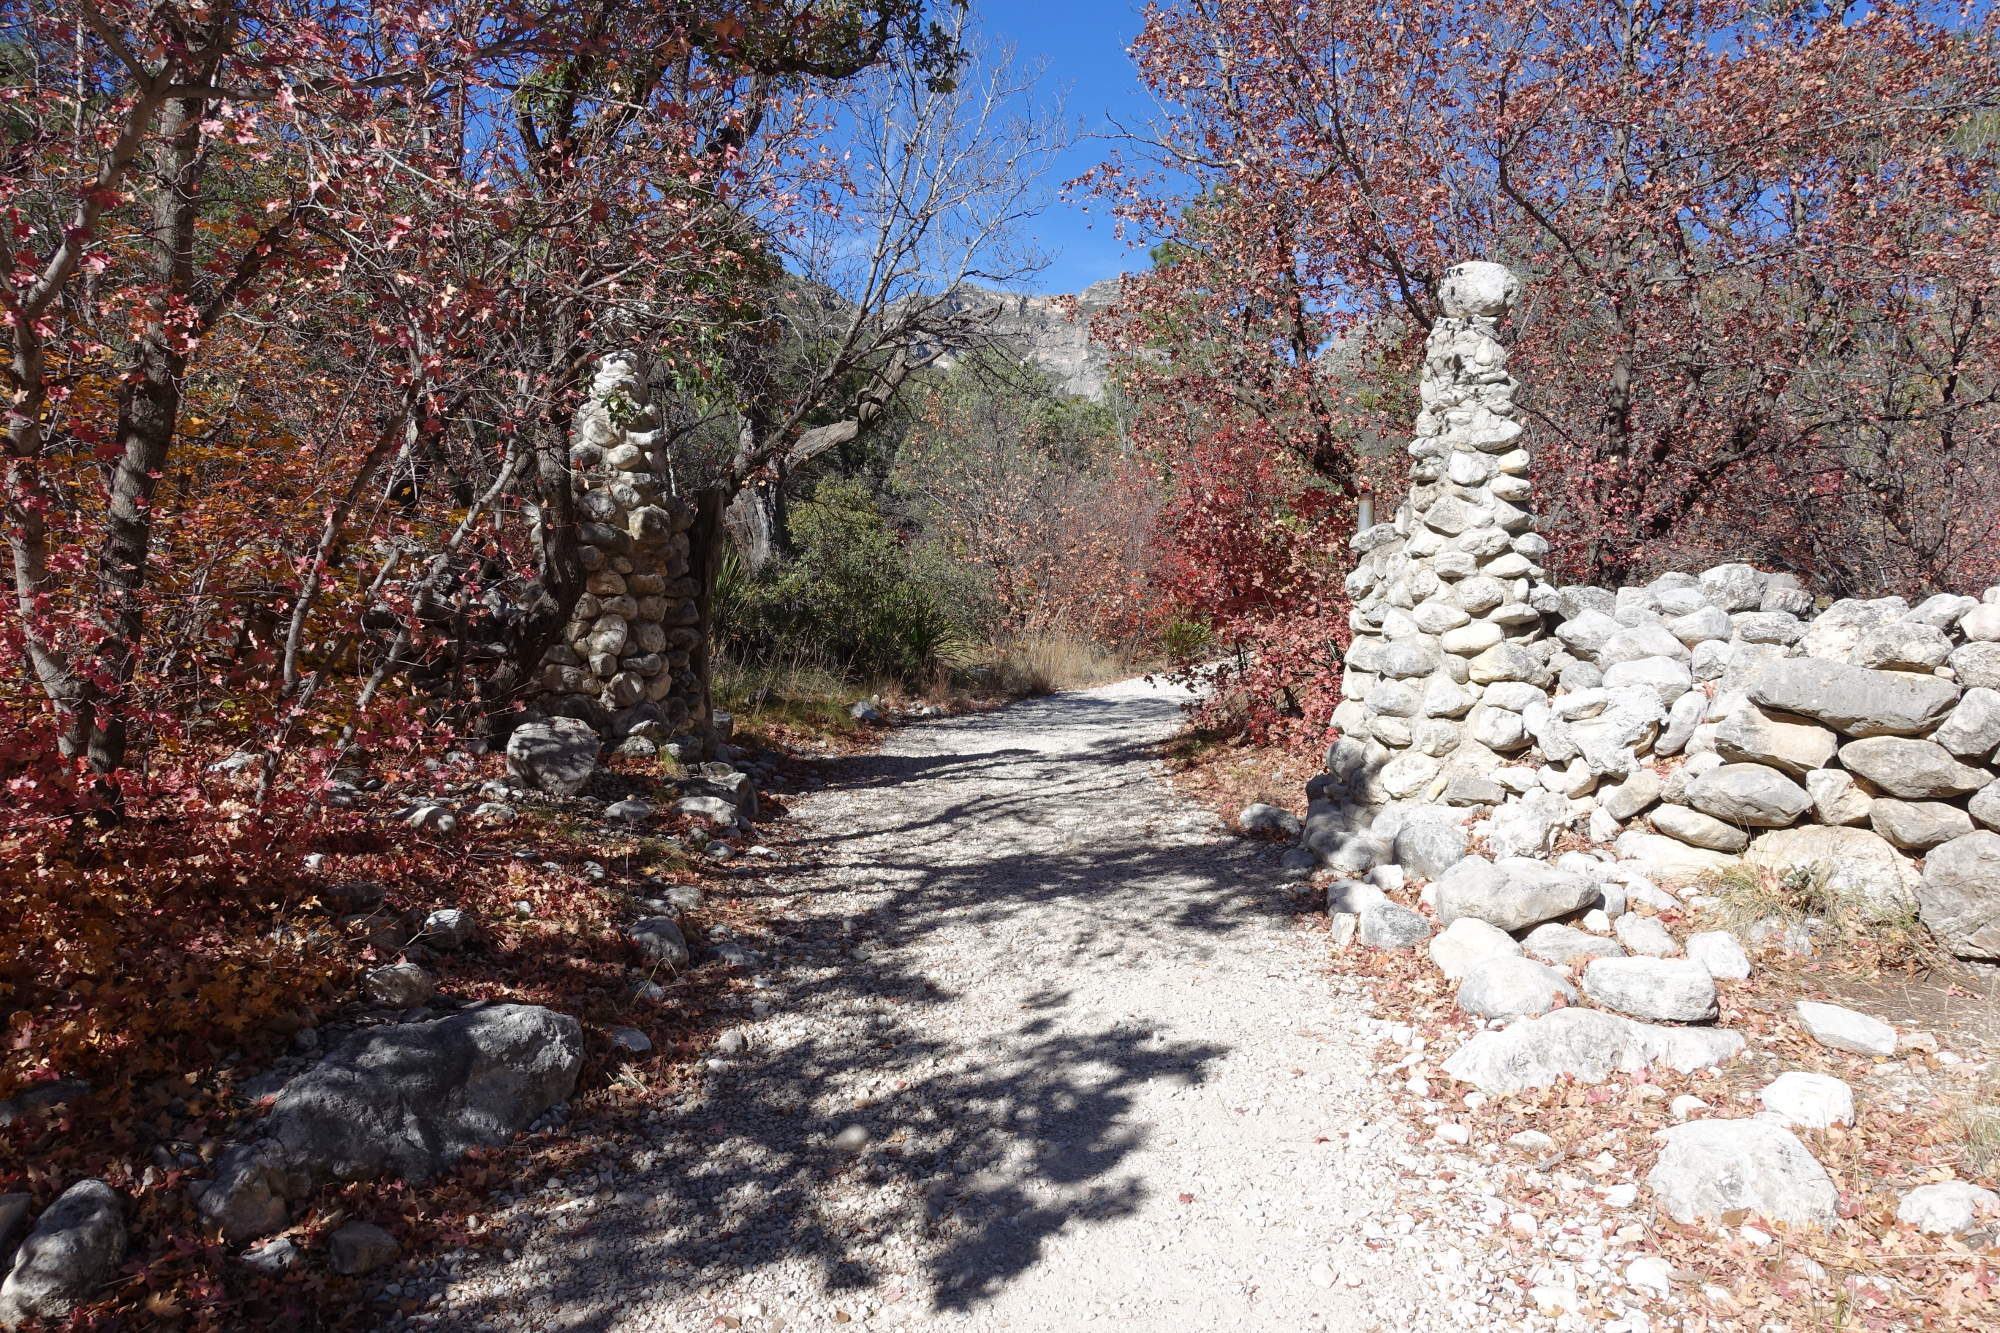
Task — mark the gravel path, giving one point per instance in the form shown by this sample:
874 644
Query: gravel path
1043 1050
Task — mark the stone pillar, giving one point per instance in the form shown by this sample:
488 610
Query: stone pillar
628 651
1447 650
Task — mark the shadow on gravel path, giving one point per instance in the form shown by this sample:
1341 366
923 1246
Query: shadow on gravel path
1011 1064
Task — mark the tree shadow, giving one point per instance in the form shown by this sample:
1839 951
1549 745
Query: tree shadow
964 1152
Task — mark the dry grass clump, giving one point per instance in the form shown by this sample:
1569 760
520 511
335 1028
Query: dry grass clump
1800 896
1033 664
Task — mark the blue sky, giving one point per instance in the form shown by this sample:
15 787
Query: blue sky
1081 44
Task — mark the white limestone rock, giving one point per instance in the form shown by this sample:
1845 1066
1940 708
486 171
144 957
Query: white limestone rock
1720 953
1842 1029
1710 1168
1658 989
1948 1207
1809 1101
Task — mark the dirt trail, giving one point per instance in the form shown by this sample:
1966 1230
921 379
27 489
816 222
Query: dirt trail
1097 1071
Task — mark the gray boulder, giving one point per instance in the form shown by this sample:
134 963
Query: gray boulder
1905 645
1503 987
1719 952
407 1101
1977 665
1673 990
1587 1045
1959 897
1836 797
1468 942
1563 945
1513 893
1644 935
1427 846
1262 818
355 1248
1985 805
1854 700
1837 631
1734 587
1947 1208
1914 770
1843 1029
660 939
557 756
1748 734
1390 925
1699 830
1709 1168
1748 794
712 810
450 928
397 986
1917 826
74 1249
1973 729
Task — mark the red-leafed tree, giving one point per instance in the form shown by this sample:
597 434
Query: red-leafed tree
1759 320
357 256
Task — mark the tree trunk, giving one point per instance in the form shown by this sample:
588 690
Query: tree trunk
755 523
148 416
706 539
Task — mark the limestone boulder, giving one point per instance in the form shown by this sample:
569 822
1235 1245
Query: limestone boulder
72 1252
1913 770
1713 1168
1466 943
1671 990
1503 987
1720 953
1972 732
1749 794
1810 1101
1842 1029
557 756
1562 945
1959 897
1837 798
1853 700
1587 1045
1749 734
1947 1208
406 1100
1699 830
1669 860
1513 893
1917 826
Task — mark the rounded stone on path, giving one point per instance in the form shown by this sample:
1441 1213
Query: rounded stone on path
1649 1273
1710 1168
397 986
360 1247
851 1139
1721 953
1466 943
1810 1101
1505 987
1659 989
1645 935
1846 1029
1948 1208
659 938
1390 925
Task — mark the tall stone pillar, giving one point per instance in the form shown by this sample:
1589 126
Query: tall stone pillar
1447 650
627 657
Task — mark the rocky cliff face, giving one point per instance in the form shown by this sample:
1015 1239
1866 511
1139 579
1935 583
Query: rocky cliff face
1043 334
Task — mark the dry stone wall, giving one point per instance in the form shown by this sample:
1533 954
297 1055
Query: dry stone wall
1699 722
628 654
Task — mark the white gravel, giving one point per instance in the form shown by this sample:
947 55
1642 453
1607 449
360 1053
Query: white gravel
1045 1050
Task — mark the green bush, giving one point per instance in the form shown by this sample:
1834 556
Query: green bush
854 596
